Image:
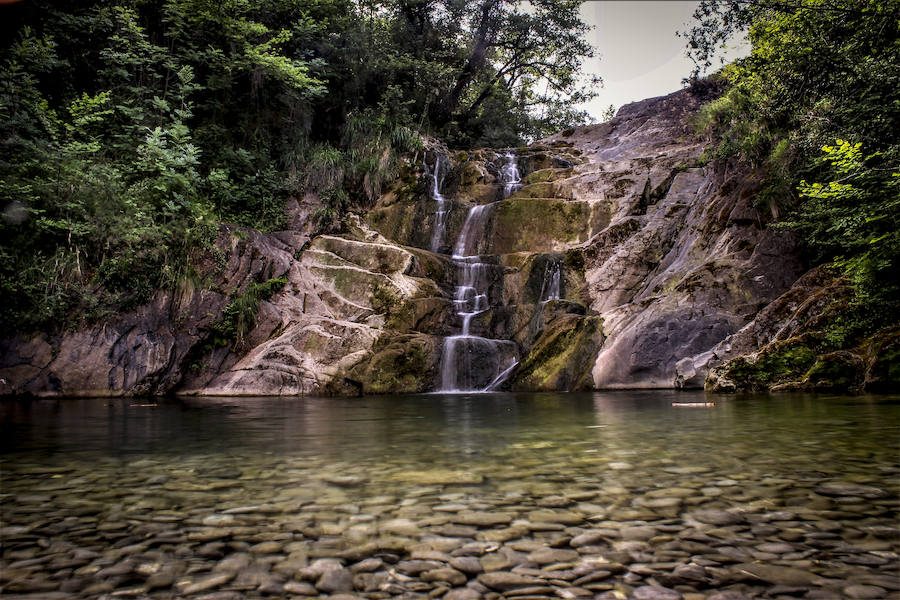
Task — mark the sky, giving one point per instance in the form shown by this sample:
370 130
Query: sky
638 53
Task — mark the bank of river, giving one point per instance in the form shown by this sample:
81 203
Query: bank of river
606 495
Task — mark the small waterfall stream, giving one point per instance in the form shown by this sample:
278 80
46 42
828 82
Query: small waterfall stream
471 362
550 288
509 174
440 215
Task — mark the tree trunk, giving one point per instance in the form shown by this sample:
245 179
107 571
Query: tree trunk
487 29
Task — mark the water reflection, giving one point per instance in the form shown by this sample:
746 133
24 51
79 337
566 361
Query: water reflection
462 424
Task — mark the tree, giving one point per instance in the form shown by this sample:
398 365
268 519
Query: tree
855 219
819 69
513 49
608 113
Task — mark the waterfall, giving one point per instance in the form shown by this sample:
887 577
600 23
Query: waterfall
471 362
550 284
472 232
509 174
440 215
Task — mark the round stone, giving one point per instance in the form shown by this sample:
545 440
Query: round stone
504 580
548 556
864 592
652 592
717 517
266 548
301 588
638 533
451 576
335 580
467 564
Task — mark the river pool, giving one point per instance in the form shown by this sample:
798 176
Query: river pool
598 495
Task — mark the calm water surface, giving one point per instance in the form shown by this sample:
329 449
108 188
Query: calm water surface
608 495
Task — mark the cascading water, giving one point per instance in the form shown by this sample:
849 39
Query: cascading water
440 215
550 288
471 362
509 174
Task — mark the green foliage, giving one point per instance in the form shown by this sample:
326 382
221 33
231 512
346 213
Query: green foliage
90 221
353 174
128 128
819 71
855 218
239 316
608 113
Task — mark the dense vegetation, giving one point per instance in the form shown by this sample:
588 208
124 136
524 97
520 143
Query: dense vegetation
816 102
130 128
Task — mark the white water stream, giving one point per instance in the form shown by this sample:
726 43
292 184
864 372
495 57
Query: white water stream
440 215
550 288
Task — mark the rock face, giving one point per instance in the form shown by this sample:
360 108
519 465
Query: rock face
151 350
621 259
787 348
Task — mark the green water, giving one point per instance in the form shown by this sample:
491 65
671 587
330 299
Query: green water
571 495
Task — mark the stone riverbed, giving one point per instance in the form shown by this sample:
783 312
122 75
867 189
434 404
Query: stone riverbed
483 496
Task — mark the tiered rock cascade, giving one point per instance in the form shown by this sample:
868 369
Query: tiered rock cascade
623 260
470 362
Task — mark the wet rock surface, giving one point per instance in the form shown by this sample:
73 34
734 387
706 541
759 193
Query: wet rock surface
613 500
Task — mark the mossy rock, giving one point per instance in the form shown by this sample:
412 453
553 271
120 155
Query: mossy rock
779 363
539 268
539 190
541 158
563 356
471 173
326 258
412 223
363 288
421 315
837 371
407 223
380 258
544 224
533 319
546 175
399 364
478 193
432 266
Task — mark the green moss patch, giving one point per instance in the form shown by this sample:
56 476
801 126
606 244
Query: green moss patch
547 175
780 363
539 225
400 364
837 371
